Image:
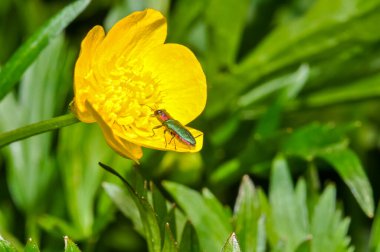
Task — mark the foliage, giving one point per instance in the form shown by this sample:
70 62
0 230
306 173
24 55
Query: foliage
293 94
31 246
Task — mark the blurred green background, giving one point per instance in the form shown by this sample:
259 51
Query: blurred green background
292 84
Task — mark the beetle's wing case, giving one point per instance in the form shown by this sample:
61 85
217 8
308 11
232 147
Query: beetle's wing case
180 132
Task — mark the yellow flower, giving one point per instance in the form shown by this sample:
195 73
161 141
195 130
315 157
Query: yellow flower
122 77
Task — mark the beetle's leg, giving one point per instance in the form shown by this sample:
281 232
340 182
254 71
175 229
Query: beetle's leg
166 143
198 135
157 127
173 136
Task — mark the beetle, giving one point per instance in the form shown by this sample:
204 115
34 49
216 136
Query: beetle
175 128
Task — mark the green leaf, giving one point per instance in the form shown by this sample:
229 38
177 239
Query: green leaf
288 207
270 121
291 84
225 131
348 165
159 207
330 143
301 198
232 244
28 52
6 246
5 234
225 171
82 197
170 244
221 212
189 239
175 222
374 241
31 246
261 235
147 215
58 226
328 230
125 204
29 177
226 20
183 16
70 246
314 34
304 246
212 228
364 88
266 224
315 138
246 215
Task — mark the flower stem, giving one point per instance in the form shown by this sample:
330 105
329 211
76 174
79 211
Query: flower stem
36 128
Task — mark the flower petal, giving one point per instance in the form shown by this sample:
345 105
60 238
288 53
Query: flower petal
133 35
121 146
180 79
83 81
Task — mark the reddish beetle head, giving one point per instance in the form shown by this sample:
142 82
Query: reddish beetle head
162 115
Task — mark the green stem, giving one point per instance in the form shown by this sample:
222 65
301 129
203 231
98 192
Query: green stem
36 128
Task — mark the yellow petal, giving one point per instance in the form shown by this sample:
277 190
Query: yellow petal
180 79
134 35
83 81
121 146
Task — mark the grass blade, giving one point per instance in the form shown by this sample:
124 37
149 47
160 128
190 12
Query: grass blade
28 52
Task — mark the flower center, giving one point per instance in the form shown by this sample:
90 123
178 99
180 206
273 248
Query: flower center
127 100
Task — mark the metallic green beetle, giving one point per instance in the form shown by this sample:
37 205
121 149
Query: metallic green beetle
175 128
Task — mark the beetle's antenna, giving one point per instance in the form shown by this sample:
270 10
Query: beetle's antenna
149 107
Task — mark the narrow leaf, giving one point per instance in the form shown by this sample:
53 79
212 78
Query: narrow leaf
291 84
314 34
304 247
125 204
315 138
189 239
222 213
170 244
183 16
300 198
149 227
160 208
211 229
31 246
6 246
270 121
28 52
328 229
290 223
70 246
226 21
58 226
261 235
147 214
246 215
322 219
350 169
374 242
232 244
